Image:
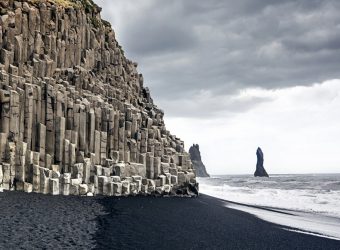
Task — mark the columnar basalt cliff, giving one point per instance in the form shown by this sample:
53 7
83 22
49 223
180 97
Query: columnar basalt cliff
195 156
75 117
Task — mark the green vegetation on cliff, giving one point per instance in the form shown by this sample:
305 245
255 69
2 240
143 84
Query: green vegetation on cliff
88 5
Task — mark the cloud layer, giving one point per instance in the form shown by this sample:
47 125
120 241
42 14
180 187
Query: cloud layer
297 128
188 47
234 75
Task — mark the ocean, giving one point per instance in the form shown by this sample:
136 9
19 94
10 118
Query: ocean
308 202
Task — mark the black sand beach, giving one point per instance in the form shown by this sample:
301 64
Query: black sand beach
34 221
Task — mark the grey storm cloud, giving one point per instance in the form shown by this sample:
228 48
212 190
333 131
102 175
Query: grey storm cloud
185 47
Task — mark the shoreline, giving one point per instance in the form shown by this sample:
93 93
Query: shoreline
297 221
44 221
308 204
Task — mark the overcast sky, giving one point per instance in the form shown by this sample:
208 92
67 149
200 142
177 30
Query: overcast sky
234 75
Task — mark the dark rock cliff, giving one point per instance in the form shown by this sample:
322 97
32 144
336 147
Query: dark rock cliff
196 160
260 171
74 110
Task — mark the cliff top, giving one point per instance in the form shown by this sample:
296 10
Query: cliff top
69 3
88 5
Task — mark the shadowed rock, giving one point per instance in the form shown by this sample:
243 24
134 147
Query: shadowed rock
195 156
260 171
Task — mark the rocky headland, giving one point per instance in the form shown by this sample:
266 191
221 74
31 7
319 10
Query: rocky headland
260 171
195 156
75 116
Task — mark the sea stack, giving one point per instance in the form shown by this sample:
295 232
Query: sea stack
196 160
75 116
260 171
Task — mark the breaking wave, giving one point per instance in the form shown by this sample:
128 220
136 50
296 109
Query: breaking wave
306 193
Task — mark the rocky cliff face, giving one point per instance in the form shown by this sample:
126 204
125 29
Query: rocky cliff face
198 165
260 171
75 117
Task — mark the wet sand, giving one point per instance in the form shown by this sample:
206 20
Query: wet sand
35 221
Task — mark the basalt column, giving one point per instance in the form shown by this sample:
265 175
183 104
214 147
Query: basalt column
75 117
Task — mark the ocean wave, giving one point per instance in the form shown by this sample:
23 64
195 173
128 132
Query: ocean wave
312 200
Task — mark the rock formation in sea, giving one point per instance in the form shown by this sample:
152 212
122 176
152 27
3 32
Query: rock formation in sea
75 116
260 171
195 156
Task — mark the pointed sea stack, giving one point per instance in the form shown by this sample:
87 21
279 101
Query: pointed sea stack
75 116
195 156
260 171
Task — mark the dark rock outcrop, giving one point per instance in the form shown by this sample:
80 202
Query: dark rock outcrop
75 115
196 160
260 171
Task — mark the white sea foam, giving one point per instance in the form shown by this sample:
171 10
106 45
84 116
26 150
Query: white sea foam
315 225
255 192
313 200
